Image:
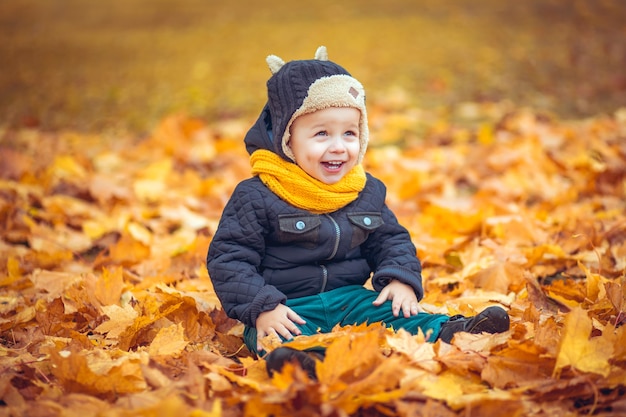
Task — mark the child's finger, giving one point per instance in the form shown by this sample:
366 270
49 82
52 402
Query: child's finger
295 317
270 332
292 329
407 309
382 297
284 332
259 335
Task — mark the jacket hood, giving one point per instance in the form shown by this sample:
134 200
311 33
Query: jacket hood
260 136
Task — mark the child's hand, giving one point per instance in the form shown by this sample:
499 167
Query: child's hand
280 322
402 298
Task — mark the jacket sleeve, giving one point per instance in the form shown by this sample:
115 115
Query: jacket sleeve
391 253
235 255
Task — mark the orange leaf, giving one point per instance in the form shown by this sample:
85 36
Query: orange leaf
517 365
129 336
169 341
128 251
499 276
109 286
99 372
364 341
54 283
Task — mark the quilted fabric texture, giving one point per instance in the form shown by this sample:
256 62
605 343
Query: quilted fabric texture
265 250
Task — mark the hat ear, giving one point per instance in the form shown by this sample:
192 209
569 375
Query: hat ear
275 63
321 54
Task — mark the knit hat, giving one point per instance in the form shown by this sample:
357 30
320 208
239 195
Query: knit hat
304 86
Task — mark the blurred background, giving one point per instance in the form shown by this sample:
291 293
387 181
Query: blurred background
123 65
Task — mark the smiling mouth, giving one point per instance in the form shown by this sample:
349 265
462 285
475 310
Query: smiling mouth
333 166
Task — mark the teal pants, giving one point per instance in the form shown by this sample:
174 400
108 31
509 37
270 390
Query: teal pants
351 305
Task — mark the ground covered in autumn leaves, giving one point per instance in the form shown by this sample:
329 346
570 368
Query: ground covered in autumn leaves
109 198
106 307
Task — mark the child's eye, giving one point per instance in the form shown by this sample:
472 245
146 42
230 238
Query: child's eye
321 133
351 133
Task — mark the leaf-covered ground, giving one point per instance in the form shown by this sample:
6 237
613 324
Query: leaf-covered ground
496 126
106 308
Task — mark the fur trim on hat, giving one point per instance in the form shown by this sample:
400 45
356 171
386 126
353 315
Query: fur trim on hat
334 91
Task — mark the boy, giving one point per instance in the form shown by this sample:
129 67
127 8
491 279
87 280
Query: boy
297 241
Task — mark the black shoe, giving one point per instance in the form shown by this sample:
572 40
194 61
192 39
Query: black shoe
276 360
491 320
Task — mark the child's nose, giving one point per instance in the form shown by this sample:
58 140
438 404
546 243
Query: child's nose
337 144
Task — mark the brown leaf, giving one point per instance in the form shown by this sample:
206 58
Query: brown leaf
539 299
519 365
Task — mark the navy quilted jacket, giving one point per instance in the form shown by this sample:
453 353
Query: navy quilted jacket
265 250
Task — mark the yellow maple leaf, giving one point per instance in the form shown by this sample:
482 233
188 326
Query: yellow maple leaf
420 352
446 386
139 232
14 272
595 284
169 341
151 184
120 318
66 166
577 350
173 244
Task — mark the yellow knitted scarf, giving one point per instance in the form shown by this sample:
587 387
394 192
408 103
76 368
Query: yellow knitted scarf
292 184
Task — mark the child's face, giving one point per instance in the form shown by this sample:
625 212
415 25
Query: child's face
326 143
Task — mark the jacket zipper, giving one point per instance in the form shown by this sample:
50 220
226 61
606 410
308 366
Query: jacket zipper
324 277
337 237
332 255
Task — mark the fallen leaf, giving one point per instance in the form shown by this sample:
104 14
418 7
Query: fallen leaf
98 372
578 350
169 341
109 286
